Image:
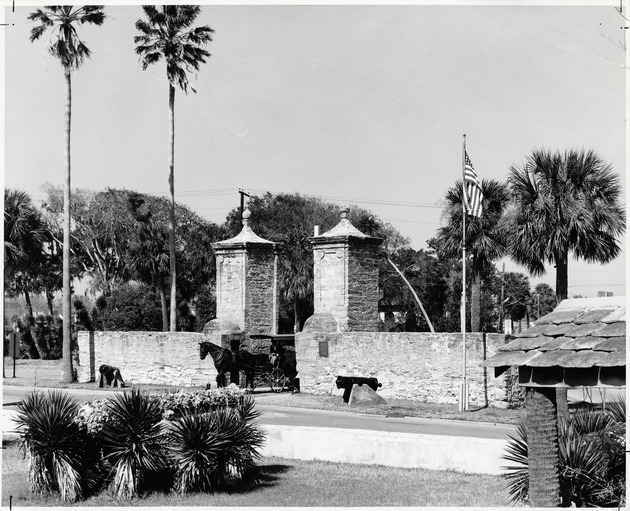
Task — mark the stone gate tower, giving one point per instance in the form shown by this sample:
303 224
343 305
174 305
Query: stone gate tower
246 283
346 277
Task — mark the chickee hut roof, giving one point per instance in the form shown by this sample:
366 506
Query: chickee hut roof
581 334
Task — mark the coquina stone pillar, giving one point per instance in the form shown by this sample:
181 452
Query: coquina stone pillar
246 283
346 278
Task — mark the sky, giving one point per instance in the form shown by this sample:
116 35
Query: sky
357 104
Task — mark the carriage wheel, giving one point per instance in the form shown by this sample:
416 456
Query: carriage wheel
277 380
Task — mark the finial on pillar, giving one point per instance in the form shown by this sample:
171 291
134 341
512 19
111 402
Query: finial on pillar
246 214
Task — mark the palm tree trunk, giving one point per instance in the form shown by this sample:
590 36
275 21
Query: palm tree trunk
164 307
29 305
542 445
475 299
562 277
49 300
171 230
66 365
296 323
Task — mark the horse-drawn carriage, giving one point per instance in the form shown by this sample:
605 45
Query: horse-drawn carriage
278 367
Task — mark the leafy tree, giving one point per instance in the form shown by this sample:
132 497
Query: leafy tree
167 34
564 203
516 296
542 301
102 222
129 307
71 52
485 237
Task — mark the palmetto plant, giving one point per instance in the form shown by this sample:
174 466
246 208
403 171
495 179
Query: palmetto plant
54 445
167 34
211 451
66 45
133 441
591 452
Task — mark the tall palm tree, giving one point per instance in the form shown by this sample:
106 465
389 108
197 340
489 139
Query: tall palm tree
24 237
485 238
167 34
66 45
564 203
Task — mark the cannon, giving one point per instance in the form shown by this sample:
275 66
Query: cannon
346 383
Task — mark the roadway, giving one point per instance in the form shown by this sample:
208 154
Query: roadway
289 416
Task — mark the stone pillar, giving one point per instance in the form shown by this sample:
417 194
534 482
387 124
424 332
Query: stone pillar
245 287
346 278
86 368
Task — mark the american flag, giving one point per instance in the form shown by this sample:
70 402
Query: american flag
472 190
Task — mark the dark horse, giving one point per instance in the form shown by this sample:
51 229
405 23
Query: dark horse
225 360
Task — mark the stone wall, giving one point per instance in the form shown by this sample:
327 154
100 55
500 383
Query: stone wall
417 366
159 358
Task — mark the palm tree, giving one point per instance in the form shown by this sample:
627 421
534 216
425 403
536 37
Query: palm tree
564 202
71 52
167 34
485 240
24 237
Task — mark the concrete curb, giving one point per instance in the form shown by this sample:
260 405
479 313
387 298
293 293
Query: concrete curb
361 446
406 450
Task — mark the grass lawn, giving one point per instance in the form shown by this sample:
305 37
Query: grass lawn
297 483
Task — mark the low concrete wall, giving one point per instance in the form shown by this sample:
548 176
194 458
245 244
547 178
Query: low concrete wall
159 358
407 450
410 365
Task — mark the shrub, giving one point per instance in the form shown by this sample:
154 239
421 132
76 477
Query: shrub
592 459
176 404
53 444
216 449
209 442
132 441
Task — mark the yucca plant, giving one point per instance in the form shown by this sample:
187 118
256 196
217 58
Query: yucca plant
133 441
53 444
213 450
591 451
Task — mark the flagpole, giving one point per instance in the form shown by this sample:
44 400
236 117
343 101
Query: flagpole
463 396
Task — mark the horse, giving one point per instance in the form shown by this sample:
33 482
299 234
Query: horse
225 360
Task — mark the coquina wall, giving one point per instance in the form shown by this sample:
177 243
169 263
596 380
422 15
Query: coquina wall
159 358
410 365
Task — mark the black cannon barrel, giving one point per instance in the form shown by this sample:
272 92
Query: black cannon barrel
346 383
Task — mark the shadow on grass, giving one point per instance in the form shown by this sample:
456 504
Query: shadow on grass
267 476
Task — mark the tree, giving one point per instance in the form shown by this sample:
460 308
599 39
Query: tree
167 34
71 52
100 238
24 238
485 237
564 203
542 301
516 296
